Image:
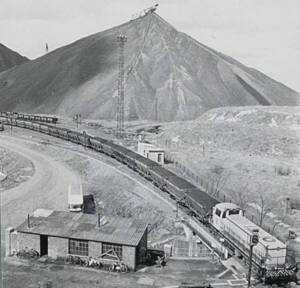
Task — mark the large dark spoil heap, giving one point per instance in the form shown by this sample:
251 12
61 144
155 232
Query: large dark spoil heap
169 76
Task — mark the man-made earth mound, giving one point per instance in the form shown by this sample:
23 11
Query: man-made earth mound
169 76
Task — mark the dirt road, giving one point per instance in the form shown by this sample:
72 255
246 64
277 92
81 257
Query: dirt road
47 188
116 183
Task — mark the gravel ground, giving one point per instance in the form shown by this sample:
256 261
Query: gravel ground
47 188
32 274
17 168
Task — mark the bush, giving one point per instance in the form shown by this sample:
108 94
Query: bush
283 171
295 204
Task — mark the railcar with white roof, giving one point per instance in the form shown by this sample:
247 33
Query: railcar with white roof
230 221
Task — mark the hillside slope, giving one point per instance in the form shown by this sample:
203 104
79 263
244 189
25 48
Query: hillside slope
9 58
242 153
170 76
254 145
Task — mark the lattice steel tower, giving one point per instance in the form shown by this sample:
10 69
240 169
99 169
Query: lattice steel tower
121 86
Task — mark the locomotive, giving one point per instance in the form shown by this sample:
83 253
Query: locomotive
269 255
230 221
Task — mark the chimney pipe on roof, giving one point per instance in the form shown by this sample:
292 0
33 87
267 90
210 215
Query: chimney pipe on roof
99 219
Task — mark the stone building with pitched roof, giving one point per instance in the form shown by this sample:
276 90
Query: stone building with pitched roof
60 233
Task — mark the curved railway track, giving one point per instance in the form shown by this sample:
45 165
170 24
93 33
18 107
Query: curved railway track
198 203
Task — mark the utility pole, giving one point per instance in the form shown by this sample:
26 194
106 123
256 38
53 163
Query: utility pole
77 119
287 205
99 207
254 239
156 110
121 87
250 265
11 126
28 221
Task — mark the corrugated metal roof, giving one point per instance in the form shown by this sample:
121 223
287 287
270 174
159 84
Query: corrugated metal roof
123 231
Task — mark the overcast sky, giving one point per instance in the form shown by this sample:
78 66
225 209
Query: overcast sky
264 34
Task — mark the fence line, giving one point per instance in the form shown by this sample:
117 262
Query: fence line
198 180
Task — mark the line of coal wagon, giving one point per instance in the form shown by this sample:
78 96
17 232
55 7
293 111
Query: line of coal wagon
30 117
197 201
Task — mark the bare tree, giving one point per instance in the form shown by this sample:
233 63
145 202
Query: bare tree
263 207
216 181
241 196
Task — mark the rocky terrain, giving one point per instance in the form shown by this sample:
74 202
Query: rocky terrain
10 58
169 76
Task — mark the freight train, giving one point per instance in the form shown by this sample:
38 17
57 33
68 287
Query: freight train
30 117
226 218
198 202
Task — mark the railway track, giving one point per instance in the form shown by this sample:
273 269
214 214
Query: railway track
192 200
186 193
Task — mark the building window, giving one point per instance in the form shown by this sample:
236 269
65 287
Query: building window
218 212
111 250
78 247
234 212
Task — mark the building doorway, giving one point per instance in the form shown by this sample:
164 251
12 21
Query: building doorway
44 245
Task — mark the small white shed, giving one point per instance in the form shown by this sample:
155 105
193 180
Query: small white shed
148 150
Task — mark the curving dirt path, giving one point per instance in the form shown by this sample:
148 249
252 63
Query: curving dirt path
47 188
